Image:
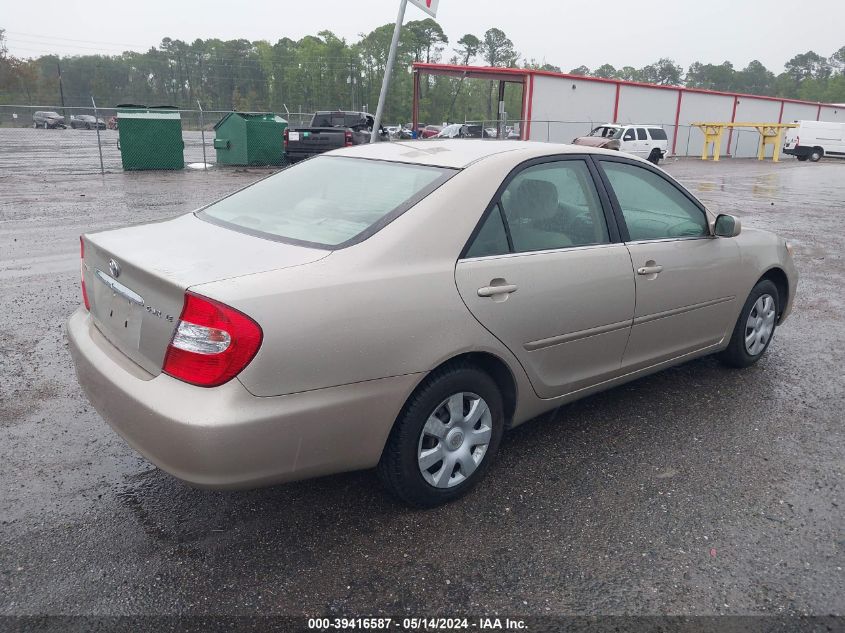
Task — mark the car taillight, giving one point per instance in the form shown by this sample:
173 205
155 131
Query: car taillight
82 273
348 138
286 138
212 343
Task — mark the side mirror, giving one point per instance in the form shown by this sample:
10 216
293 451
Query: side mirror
727 226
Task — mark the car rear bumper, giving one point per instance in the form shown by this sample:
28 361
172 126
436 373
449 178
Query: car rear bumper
225 437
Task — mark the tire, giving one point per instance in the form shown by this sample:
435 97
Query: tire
654 157
816 154
34 125
802 157
87 126
761 308
428 426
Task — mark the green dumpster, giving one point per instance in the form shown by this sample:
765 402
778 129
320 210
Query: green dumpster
150 137
250 138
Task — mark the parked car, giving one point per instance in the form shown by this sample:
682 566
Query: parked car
463 130
812 140
646 141
314 322
328 131
430 131
48 120
87 122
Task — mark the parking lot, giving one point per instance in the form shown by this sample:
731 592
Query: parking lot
696 491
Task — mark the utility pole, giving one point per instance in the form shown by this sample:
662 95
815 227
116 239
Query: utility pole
391 57
62 93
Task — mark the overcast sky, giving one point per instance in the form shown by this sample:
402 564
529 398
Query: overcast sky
566 34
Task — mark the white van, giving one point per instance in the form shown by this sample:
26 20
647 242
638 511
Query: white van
815 139
646 141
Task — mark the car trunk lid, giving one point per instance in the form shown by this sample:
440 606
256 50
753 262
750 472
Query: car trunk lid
136 277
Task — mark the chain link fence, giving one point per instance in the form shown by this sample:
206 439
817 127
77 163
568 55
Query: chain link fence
48 139
85 140
737 143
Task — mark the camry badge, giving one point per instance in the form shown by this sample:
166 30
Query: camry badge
114 268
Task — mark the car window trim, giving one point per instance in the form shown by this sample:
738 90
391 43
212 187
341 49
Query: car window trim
614 234
545 251
617 208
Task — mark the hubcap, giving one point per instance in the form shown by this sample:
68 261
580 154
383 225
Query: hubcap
760 325
454 440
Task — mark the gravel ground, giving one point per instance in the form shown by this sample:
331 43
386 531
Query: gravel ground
696 491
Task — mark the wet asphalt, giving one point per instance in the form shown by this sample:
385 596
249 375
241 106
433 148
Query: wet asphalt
699 490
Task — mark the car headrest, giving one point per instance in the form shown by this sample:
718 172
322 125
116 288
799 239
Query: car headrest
534 200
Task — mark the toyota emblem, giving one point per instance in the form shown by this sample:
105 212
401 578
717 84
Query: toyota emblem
114 268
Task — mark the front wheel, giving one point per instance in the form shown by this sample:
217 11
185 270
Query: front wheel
445 437
754 328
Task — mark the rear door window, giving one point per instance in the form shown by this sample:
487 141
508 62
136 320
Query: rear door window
641 135
554 205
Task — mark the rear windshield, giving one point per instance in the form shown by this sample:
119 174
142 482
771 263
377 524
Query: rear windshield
327 201
657 133
338 119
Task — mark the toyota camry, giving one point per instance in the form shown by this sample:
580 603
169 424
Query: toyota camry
401 305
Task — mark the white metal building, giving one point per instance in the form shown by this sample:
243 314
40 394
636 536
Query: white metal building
558 107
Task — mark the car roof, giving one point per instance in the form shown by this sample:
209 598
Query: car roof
460 153
645 125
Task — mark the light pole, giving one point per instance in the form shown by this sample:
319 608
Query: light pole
391 57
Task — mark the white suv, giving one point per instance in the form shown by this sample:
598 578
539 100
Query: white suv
646 141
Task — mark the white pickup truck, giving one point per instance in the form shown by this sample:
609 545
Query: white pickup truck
646 141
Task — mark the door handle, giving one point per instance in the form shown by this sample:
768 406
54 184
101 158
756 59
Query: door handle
650 270
492 291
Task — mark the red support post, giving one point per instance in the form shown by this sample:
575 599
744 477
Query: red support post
616 103
677 119
731 130
415 104
530 106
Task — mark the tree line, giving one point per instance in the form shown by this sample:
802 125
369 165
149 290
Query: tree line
324 71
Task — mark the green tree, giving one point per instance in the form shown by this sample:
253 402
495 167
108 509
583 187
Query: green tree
711 76
755 79
580 70
664 72
497 50
605 71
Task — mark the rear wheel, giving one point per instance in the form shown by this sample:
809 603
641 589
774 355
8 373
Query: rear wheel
816 154
755 326
802 157
445 437
655 156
